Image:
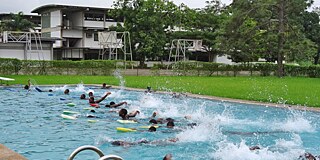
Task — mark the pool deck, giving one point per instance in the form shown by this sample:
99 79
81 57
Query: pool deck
7 154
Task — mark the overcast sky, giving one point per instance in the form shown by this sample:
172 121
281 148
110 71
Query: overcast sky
27 6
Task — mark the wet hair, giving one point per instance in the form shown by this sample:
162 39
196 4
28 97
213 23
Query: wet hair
123 112
107 105
152 129
26 87
83 96
93 111
169 119
104 84
112 103
170 124
90 94
116 143
50 90
66 91
153 121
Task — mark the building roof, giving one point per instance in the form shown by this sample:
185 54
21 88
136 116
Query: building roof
44 8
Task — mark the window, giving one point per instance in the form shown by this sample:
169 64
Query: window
95 37
88 35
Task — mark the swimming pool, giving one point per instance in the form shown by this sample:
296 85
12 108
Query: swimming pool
31 125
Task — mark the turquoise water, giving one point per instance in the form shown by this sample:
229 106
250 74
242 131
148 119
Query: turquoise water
31 125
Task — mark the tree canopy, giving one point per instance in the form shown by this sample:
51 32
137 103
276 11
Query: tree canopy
274 30
16 23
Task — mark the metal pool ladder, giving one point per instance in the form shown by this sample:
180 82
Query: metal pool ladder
97 150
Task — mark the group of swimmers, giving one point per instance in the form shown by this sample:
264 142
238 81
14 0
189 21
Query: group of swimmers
124 115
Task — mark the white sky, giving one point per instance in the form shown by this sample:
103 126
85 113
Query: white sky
7 6
14 6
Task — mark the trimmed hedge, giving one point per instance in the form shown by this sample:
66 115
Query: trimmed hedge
106 67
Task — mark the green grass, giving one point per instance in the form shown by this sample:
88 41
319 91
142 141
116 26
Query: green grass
301 91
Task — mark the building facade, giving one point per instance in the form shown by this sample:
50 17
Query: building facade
78 28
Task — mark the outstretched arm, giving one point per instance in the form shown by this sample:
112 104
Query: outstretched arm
117 105
104 97
133 114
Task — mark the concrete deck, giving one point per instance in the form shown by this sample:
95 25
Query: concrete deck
7 154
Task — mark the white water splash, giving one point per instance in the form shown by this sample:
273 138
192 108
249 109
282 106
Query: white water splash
118 75
296 123
283 150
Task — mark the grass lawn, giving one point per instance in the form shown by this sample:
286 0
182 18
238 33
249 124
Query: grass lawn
302 91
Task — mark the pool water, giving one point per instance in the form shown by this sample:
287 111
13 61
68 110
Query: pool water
32 126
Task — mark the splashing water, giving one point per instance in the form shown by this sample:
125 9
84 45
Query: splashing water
118 75
282 150
295 123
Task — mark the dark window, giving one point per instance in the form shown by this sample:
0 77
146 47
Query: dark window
95 37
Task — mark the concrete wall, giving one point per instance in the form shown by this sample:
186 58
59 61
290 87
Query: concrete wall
90 43
56 22
17 50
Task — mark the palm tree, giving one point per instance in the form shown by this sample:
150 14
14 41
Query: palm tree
17 23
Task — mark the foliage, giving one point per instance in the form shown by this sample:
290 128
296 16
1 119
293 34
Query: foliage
147 21
17 23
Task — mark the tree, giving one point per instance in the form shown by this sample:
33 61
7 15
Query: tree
201 24
311 24
148 21
17 23
265 28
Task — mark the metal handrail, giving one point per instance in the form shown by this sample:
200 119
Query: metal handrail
82 148
97 150
111 157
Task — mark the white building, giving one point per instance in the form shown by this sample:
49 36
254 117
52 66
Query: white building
78 26
26 46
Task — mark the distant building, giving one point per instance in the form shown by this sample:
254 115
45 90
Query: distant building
77 26
26 46
35 19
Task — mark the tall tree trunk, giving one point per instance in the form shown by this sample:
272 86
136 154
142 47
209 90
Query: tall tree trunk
280 58
316 58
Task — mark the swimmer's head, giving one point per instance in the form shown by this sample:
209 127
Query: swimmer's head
170 124
123 112
117 143
153 121
50 90
66 91
112 103
83 96
169 119
26 87
152 129
90 94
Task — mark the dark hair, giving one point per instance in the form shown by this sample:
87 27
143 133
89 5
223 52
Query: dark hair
50 90
170 124
26 87
112 103
90 93
152 129
93 111
169 119
123 112
107 105
66 91
83 96
116 143
153 121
